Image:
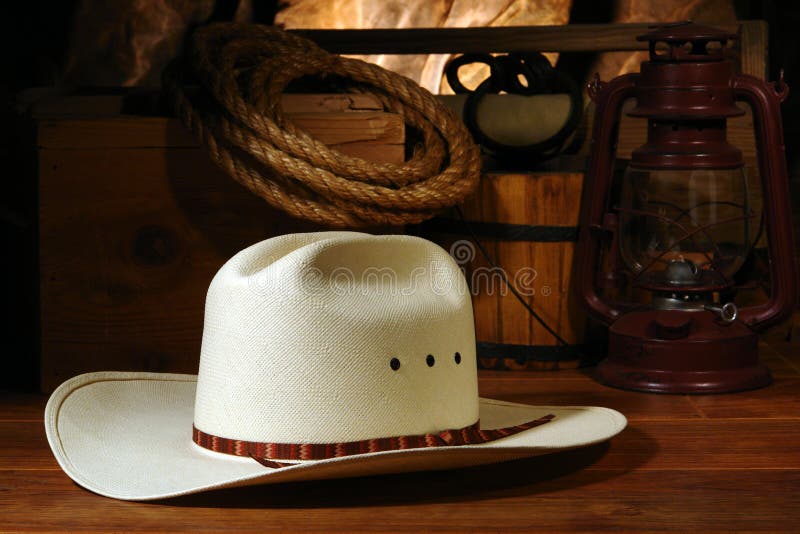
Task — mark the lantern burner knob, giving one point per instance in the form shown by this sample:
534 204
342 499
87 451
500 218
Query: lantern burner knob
727 313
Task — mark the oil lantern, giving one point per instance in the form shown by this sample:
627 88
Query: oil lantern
659 246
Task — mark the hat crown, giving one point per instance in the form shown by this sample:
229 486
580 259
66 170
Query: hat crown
337 336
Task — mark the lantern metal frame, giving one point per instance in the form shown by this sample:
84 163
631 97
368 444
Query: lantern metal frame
687 81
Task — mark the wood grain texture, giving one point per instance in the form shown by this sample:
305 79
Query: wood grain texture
544 494
782 356
334 128
702 463
780 400
784 338
135 219
571 386
754 48
21 406
46 103
125 264
25 445
568 38
539 271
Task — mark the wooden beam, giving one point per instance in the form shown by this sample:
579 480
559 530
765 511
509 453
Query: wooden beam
565 38
47 104
754 48
334 128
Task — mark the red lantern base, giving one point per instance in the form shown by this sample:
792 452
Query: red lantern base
672 351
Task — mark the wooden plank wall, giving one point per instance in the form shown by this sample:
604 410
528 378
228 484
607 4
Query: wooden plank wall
134 222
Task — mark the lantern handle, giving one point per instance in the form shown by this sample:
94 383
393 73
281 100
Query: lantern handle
765 99
609 98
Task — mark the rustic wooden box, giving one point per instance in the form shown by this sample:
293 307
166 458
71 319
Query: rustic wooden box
135 220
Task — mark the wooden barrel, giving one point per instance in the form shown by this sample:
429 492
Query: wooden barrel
527 224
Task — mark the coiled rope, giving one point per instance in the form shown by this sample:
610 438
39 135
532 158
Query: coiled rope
242 70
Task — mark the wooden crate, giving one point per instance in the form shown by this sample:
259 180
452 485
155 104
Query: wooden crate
135 220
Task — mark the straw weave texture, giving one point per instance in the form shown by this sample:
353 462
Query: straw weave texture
300 331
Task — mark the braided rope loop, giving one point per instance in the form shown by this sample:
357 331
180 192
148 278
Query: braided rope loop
242 71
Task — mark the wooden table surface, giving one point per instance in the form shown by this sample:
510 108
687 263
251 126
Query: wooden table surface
684 463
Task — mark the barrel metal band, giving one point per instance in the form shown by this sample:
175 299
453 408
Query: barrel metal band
525 353
503 231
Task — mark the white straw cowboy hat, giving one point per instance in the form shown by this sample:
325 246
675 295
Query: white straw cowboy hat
324 355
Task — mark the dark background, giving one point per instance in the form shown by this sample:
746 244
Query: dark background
35 36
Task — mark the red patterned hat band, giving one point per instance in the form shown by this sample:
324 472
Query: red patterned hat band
268 453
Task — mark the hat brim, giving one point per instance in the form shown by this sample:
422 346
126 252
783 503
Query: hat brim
128 436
